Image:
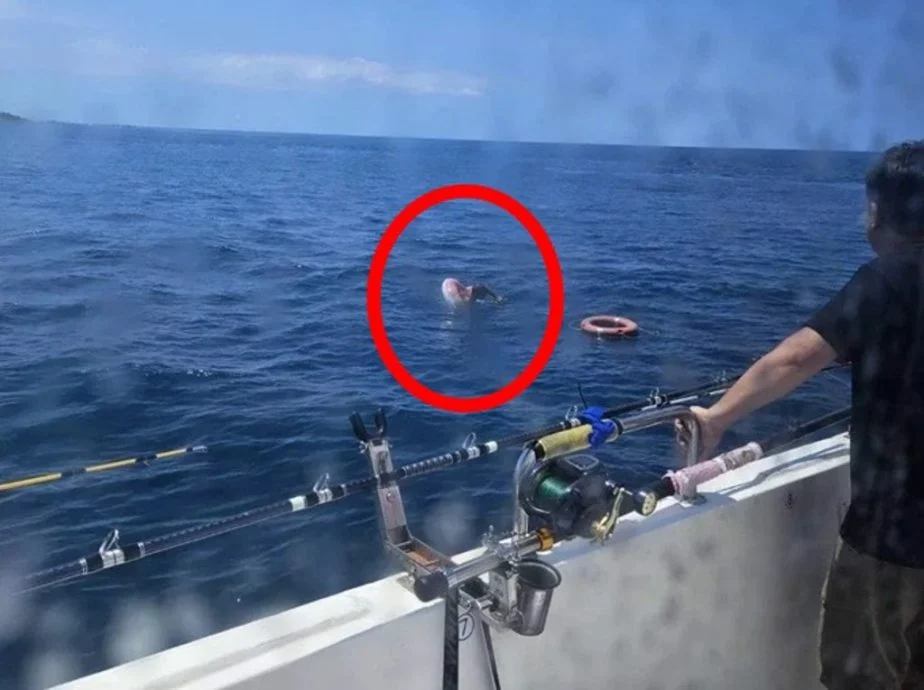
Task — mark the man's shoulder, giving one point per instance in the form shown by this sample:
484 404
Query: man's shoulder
876 266
879 273
897 272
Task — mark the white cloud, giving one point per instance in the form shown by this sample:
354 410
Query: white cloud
298 72
88 54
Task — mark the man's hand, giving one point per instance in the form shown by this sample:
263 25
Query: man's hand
787 366
710 432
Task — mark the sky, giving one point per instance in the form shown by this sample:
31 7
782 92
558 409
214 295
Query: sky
844 74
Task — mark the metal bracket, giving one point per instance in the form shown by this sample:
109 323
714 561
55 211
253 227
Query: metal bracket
415 557
656 398
388 494
502 591
322 489
693 500
363 434
493 604
110 543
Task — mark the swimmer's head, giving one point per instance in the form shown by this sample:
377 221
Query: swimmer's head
455 292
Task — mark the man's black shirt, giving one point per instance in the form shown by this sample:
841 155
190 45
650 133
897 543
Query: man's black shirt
876 322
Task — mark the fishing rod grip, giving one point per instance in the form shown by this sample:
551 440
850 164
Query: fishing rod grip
684 482
563 442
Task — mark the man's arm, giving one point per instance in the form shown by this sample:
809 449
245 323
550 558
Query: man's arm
836 331
790 364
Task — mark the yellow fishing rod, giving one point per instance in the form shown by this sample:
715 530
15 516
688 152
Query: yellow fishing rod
103 466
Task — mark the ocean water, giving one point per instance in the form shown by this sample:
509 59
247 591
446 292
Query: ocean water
160 288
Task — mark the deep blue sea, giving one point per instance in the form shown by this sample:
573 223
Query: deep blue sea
160 288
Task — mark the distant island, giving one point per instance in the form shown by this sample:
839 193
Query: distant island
9 117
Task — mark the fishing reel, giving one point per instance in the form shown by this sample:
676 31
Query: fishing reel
571 495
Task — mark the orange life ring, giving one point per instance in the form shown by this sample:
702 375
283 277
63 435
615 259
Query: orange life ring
609 326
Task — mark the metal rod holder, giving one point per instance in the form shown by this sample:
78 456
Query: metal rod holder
414 556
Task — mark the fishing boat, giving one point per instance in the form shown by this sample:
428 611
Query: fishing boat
709 577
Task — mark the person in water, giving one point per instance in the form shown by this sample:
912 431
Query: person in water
872 622
456 293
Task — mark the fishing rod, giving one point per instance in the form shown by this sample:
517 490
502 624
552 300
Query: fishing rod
570 496
103 466
655 400
111 553
684 482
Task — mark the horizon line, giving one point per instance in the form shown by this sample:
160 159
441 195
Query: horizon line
460 139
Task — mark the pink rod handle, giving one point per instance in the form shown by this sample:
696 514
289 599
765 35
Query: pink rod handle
686 480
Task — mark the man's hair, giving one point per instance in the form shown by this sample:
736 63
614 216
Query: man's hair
896 185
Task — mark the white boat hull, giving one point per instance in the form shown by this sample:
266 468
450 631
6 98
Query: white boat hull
725 594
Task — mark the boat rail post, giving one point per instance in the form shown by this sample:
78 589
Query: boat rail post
664 415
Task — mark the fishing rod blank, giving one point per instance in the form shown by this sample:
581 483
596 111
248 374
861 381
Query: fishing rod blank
105 466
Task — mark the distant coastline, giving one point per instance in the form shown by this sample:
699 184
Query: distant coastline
9 117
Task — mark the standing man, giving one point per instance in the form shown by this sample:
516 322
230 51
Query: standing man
872 631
